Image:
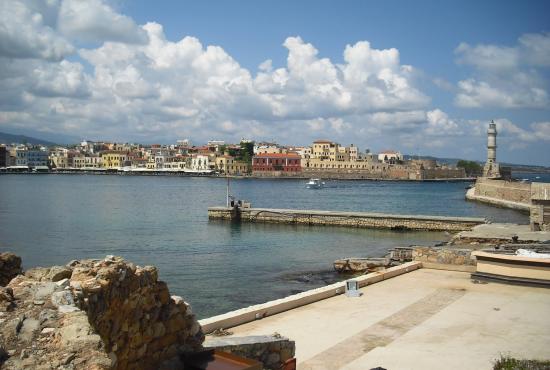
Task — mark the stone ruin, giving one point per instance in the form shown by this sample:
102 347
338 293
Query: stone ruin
92 314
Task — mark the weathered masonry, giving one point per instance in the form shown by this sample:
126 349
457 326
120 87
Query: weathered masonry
348 219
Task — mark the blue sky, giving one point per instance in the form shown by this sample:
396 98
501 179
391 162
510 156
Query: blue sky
421 77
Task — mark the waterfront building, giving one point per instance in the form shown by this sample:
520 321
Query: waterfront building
21 156
37 157
265 147
200 162
59 158
353 153
184 143
92 161
277 162
4 156
228 165
322 149
113 159
390 156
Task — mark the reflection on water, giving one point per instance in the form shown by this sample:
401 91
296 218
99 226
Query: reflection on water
217 266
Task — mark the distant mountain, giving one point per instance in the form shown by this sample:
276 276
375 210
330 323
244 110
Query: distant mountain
22 139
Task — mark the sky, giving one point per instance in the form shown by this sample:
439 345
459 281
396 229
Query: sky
422 77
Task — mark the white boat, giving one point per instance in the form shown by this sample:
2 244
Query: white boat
315 184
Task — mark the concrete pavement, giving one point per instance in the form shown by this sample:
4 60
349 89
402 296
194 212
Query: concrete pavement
420 320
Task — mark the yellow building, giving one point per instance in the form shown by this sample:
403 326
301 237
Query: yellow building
112 159
228 165
329 151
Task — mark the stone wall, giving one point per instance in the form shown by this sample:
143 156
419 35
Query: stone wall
349 219
10 267
444 256
271 350
93 314
132 311
512 191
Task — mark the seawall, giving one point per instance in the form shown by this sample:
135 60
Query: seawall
346 219
504 203
501 193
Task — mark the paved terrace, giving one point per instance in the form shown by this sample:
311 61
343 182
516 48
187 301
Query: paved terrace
426 319
505 231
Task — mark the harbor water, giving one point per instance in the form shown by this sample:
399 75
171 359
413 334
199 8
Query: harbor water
216 266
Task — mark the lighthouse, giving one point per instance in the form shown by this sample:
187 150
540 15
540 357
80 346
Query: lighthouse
491 168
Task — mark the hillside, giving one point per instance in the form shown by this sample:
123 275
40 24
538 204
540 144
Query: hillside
6 138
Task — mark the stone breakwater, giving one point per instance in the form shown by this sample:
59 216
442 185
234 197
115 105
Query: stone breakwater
348 219
94 314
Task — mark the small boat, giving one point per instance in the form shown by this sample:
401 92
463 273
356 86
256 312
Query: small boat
315 184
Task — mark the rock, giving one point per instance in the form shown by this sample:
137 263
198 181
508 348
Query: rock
67 309
47 330
10 267
68 359
57 273
64 297
47 317
3 355
43 290
19 324
63 283
37 273
29 327
7 301
24 353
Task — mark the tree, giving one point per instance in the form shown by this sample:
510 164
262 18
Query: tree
470 167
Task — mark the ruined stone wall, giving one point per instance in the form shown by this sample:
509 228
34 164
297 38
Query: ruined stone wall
506 190
132 311
271 350
443 173
93 314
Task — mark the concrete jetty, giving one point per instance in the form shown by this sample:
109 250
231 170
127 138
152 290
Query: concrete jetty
347 219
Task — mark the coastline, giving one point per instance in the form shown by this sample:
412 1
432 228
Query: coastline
232 177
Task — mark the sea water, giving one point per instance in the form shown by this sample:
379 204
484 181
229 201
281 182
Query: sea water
216 266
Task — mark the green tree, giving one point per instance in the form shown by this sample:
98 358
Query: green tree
470 167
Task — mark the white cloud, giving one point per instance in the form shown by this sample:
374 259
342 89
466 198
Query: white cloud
57 80
506 77
27 30
541 130
488 57
95 21
480 94
536 48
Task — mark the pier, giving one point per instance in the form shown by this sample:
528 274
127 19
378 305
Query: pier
345 219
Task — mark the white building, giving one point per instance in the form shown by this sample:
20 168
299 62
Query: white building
200 163
390 156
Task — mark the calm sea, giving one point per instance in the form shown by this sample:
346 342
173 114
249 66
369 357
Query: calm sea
216 266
